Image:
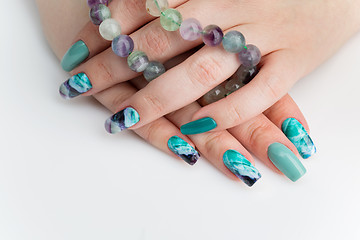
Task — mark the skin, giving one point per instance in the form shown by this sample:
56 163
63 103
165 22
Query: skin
62 23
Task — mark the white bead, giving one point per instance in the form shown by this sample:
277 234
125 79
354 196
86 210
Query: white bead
110 29
155 7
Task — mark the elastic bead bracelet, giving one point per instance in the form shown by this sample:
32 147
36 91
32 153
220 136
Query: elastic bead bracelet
190 30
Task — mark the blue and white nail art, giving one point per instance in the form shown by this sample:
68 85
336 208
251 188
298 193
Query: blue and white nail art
76 85
241 167
122 120
183 149
297 134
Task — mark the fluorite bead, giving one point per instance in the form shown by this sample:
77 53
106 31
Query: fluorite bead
92 3
99 13
190 29
171 19
122 45
234 42
153 70
215 94
250 56
109 29
138 61
212 35
156 7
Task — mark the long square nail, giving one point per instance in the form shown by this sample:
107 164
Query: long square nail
122 120
183 149
76 85
198 126
241 167
297 134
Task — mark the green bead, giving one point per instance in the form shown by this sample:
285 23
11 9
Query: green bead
171 19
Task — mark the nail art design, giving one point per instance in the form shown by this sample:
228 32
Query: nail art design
76 54
286 161
75 86
183 149
198 126
122 120
297 134
241 167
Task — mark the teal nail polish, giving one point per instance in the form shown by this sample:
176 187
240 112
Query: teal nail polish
183 149
198 126
122 120
76 54
75 86
241 167
297 134
286 161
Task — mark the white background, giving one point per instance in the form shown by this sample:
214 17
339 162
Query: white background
63 177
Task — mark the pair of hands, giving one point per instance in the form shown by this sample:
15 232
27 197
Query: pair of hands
292 45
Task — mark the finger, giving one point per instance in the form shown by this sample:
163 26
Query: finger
260 136
160 133
130 15
273 81
293 125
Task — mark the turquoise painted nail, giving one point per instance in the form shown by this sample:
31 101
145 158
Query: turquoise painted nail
286 161
241 167
183 149
75 86
297 134
122 120
76 54
198 126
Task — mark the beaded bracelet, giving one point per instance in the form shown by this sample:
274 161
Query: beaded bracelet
190 30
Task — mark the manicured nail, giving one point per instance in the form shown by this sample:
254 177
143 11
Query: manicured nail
122 120
198 126
297 134
241 167
184 150
76 85
76 54
286 161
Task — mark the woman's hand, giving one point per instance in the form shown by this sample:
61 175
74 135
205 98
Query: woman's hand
294 37
261 135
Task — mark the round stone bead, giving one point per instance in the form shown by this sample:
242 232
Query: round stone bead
122 45
171 19
92 3
212 35
138 61
215 94
99 13
156 7
109 29
153 70
250 56
234 42
190 29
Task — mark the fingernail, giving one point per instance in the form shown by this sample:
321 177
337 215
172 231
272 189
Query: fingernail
76 85
183 149
76 54
122 120
241 167
198 126
297 134
286 161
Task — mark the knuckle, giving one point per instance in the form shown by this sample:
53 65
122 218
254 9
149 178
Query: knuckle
235 115
131 8
153 103
256 130
104 73
151 133
156 41
271 87
204 72
213 141
119 99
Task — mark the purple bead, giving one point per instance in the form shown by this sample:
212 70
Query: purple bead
190 29
122 45
92 3
99 13
250 56
213 35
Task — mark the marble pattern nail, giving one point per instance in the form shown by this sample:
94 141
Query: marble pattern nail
122 120
241 167
297 134
76 85
183 149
